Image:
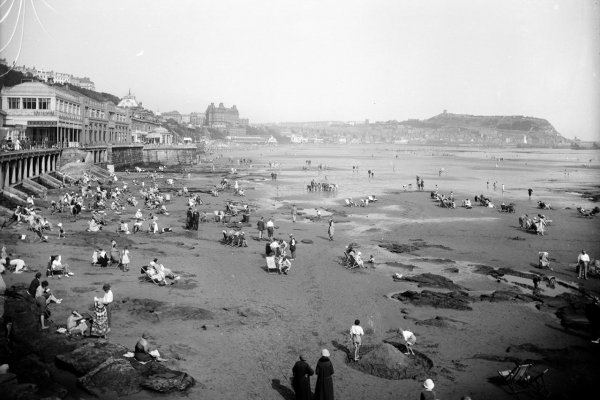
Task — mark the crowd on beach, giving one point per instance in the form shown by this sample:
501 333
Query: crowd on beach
97 323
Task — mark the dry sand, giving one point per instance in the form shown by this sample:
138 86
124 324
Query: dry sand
238 330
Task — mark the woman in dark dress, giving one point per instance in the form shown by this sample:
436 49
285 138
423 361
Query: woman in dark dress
141 352
301 381
324 371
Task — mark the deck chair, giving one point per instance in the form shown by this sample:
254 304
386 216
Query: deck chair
351 262
519 380
50 272
147 276
271 266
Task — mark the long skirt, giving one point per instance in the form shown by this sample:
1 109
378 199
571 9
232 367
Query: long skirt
100 324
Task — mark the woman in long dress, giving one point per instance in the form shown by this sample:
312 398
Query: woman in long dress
324 372
331 229
125 259
100 323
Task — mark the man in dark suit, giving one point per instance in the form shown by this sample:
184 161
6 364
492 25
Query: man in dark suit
34 284
301 380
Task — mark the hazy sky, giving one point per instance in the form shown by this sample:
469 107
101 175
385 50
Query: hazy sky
280 60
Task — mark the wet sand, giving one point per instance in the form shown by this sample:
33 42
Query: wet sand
239 330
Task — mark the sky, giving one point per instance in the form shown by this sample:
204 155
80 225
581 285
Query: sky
343 60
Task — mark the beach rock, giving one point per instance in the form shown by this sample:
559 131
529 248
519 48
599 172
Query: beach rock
113 376
508 295
438 322
89 356
157 377
433 280
388 362
453 300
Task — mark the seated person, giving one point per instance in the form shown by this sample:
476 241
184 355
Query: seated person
94 226
371 259
57 265
154 275
124 228
138 214
76 324
359 260
160 269
141 351
137 226
103 258
163 210
284 264
44 291
268 250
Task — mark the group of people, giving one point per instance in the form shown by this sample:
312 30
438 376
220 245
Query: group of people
278 248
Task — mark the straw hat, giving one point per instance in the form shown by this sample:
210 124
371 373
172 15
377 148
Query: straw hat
325 353
428 384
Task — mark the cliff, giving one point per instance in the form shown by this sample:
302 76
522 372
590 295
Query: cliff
497 129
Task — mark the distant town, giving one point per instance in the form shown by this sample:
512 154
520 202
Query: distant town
58 108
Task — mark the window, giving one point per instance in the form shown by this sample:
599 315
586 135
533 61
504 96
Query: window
44 103
29 103
14 103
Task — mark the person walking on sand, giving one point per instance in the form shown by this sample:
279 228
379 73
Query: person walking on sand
270 228
294 212
260 225
356 333
331 229
530 191
428 393
292 247
324 371
301 379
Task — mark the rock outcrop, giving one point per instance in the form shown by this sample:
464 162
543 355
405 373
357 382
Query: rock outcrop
34 356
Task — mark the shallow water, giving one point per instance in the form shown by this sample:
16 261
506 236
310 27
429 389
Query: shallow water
466 171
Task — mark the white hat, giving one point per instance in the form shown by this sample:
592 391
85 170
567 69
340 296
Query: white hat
325 353
59 224
428 384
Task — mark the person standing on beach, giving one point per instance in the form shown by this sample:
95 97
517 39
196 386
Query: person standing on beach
260 225
270 228
294 213
530 191
324 371
356 333
583 262
301 380
331 229
292 247
108 300
125 259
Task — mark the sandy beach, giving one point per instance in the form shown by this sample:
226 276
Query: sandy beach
238 330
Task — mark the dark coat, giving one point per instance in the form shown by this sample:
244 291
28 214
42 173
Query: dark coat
260 225
190 219
301 380
324 387
33 286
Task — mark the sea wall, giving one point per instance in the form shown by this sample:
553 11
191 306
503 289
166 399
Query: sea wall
126 155
170 155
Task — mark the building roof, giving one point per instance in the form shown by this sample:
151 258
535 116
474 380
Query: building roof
129 101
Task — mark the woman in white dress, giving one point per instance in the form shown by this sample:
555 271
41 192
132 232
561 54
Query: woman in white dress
125 259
